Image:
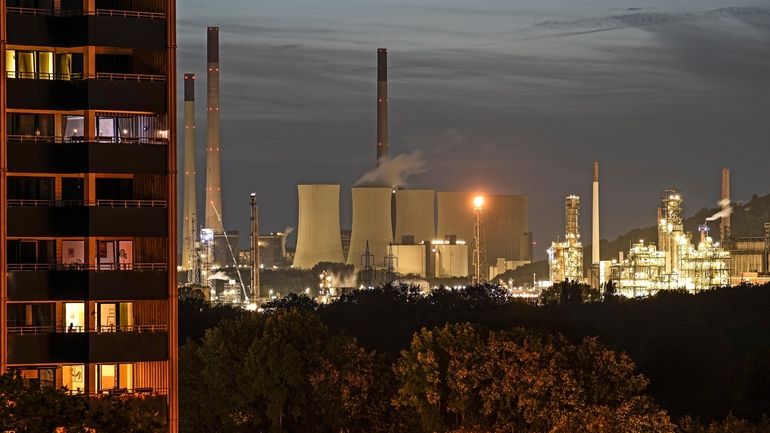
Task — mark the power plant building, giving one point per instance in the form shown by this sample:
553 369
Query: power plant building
505 223
415 215
372 226
318 234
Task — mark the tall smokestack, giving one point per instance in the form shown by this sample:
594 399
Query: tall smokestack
724 225
596 238
190 203
382 104
213 164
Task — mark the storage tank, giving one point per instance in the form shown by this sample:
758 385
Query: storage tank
371 223
415 213
318 234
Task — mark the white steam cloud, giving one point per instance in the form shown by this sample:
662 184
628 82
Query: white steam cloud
726 210
394 172
287 231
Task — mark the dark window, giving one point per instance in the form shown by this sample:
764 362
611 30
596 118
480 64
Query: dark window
31 314
114 189
30 188
23 251
72 189
114 63
30 124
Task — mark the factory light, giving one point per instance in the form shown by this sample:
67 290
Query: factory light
478 202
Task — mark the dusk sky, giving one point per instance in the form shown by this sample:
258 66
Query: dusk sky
499 96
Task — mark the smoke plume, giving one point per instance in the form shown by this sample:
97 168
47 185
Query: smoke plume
726 210
394 172
287 231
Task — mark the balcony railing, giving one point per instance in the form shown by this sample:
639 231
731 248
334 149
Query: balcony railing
134 392
81 139
77 12
85 267
83 203
67 329
77 76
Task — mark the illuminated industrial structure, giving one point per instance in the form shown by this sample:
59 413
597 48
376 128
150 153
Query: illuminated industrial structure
565 259
506 224
479 246
675 263
88 198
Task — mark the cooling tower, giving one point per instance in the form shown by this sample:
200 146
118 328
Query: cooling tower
318 236
415 210
371 223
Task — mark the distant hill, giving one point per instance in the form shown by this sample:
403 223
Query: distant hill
747 220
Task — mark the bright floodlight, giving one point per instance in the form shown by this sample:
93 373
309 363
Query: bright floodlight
478 201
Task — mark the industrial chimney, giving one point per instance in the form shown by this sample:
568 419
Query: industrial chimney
188 228
213 210
724 224
382 104
596 238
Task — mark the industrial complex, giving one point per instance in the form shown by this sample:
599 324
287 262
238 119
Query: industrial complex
420 234
678 261
396 233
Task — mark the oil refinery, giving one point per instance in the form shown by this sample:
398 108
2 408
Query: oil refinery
677 260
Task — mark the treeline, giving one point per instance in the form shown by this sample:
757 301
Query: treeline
27 407
705 357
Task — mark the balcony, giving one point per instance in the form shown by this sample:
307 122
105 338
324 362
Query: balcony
36 154
57 218
100 91
35 282
74 28
56 344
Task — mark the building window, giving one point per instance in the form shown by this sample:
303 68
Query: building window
115 377
31 252
73 254
74 378
74 316
43 65
115 255
30 124
37 315
30 188
74 128
44 376
115 316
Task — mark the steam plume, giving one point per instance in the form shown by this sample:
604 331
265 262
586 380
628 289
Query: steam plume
394 172
726 211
